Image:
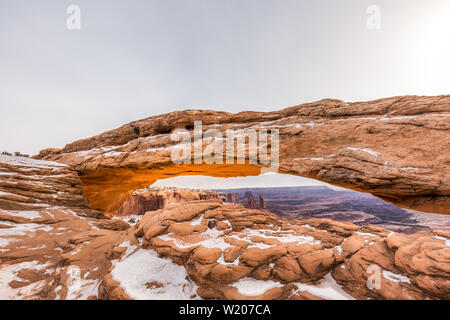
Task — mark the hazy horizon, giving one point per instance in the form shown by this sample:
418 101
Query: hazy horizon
131 60
267 180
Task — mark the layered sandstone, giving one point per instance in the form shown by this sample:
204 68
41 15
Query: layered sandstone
394 148
52 245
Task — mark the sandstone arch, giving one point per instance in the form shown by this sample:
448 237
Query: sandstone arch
395 148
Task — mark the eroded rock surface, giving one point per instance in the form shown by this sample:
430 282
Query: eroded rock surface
394 148
226 251
58 248
52 246
155 198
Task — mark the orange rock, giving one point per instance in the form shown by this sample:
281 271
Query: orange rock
255 257
206 255
228 273
317 263
231 254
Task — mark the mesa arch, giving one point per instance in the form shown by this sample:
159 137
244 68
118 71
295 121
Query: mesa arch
395 148
107 188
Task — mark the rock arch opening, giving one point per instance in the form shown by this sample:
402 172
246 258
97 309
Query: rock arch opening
108 188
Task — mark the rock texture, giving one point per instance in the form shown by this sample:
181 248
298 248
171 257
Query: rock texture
55 244
231 252
394 148
52 246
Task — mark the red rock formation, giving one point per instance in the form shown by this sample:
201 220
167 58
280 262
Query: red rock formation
261 205
393 148
250 200
230 197
156 198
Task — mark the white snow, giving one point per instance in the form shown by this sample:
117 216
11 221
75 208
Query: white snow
282 237
129 246
398 118
212 239
29 162
113 154
144 266
327 289
369 151
395 277
39 247
22 229
221 260
409 168
78 288
10 273
367 234
252 287
23 214
197 221
446 243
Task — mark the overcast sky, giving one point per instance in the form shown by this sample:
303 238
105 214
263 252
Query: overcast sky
133 59
267 180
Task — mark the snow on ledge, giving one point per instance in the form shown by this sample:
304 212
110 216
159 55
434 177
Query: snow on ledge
166 279
327 289
395 277
365 150
446 243
251 287
29 162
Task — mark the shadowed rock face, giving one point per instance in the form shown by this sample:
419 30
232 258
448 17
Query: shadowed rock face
394 148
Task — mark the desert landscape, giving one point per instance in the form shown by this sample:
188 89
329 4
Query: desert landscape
85 222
